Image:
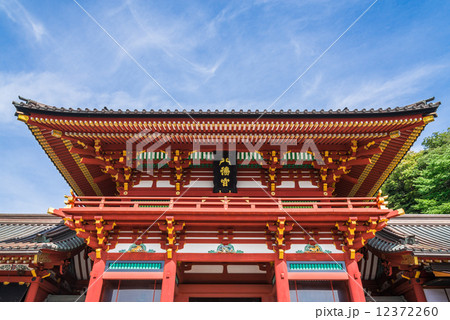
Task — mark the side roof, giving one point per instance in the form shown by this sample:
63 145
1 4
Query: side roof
421 234
30 233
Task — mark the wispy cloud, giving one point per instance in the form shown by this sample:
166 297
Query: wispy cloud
55 89
384 92
227 14
337 87
208 55
17 13
177 38
46 86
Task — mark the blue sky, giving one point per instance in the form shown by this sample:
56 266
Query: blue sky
208 54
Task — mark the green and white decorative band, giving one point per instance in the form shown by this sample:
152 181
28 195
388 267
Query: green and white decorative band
159 155
316 266
241 156
135 266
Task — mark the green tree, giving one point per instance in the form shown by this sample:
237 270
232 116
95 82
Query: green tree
421 182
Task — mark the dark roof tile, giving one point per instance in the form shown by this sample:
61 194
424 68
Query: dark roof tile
35 232
27 105
419 234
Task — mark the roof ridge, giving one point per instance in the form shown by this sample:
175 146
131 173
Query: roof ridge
37 106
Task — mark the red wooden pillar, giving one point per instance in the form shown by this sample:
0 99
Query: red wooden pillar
418 291
33 290
94 291
281 281
169 281
354 282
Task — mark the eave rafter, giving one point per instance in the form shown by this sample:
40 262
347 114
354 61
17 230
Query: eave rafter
112 164
336 165
332 132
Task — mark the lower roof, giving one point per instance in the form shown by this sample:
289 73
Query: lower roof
420 234
28 234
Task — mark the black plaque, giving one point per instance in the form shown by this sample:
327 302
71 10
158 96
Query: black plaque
225 172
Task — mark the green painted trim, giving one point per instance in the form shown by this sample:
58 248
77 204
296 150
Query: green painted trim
138 266
315 266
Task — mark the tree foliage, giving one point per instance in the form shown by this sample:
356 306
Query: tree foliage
421 182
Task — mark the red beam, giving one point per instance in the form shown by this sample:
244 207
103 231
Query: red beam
370 152
224 290
315 257
86 152
95 162
349 179
318 276
358 162
102 178
132 256
143 218
132 275
14 279
226 257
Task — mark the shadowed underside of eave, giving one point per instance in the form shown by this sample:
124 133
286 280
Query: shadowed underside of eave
330 127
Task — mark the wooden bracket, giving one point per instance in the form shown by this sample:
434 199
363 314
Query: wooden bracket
279 231
171 228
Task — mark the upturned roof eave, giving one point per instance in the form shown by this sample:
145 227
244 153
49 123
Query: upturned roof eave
30 106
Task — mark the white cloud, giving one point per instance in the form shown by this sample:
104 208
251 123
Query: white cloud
17 13
338 88
382 92
176 37
54 89
46 87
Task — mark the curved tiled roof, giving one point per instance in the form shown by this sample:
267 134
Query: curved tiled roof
421 107
420 234
21 233
392 130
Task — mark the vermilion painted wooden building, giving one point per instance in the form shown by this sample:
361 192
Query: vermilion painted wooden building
40 257
225 206
410 258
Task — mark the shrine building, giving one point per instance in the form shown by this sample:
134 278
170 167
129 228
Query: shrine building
224 206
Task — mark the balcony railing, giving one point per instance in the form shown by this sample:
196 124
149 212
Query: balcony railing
227 203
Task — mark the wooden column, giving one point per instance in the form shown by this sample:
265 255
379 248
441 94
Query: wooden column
418 291
281 281
411 289
94 291
168 282
354 282
33 290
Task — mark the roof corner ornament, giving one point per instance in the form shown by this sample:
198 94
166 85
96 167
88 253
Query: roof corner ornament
22 117
428 119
